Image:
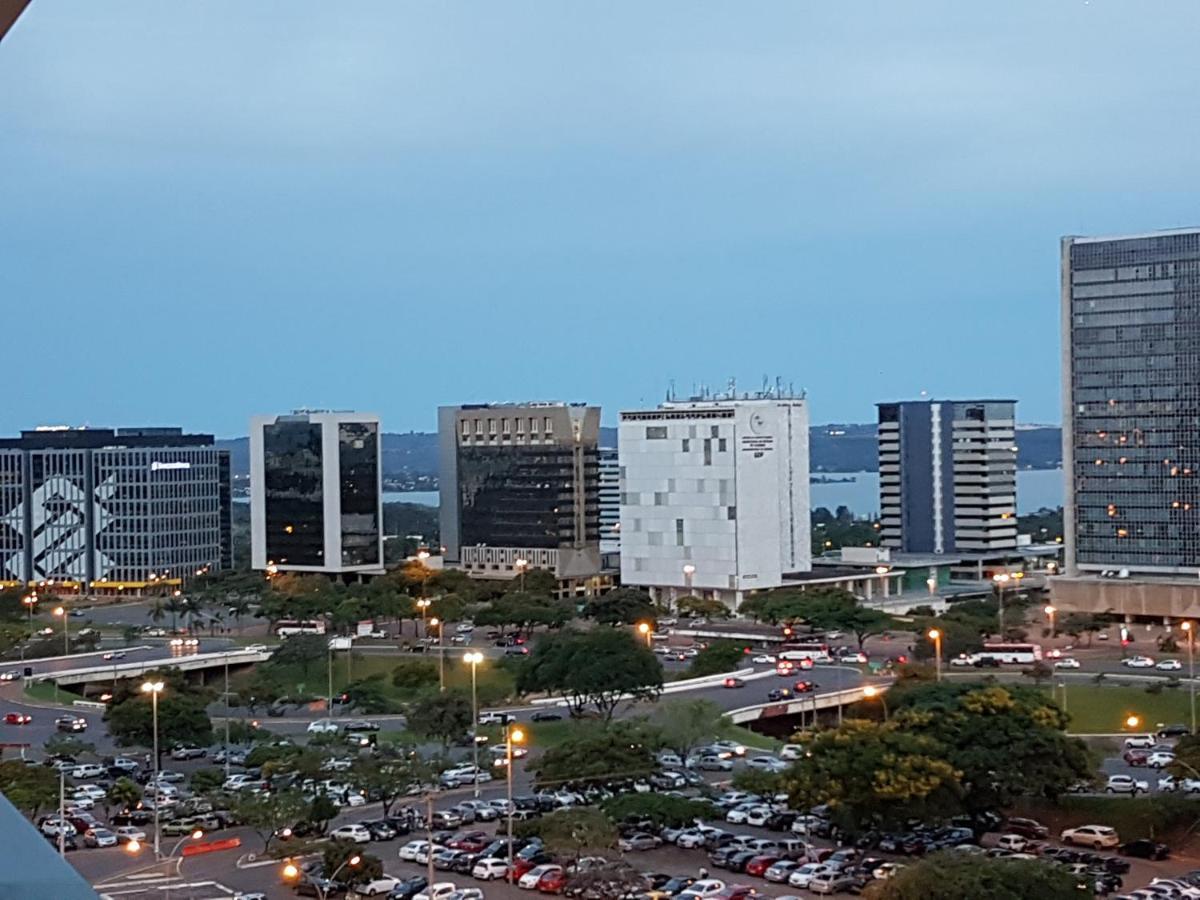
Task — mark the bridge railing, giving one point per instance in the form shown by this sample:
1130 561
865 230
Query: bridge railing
799 705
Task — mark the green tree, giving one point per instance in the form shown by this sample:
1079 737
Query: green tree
1006 741
1039 672
702 607
614 879
757 781
386 775
414 674
300 650
182 713
207 780
1078 624
28 788
321 811
68 745
839 610
445 717
369 695
717 657
595 753
874 774
524 611
124 793
265 814
685 724
571 833
953 876
337 857
622 606
663 810
598 668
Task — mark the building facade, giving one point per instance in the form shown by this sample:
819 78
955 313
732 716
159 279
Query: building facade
100 508
610 500
316 499
948 476
715 495
520 489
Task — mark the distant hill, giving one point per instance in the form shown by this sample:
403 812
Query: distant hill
410 460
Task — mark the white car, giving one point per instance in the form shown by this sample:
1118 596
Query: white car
127 833
765 659
963 660
804 875
1169 665
1187 785
1067 662
690 839
1138 662
530 879
766 763
353 832
1160 758
323 726
384 885
1140 742
489 869
94 791
1098 837
705 887
87 770
1125 784
439 890
496 718
791 752
409 851
1013 843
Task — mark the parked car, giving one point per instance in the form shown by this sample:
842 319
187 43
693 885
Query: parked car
186 751
1067 662
1138 662
1098 837
1144 849
1160 758
356 832
1169 665
1139 742
1028 828
1125 784
99 837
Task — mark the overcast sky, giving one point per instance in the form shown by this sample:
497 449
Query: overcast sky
212 209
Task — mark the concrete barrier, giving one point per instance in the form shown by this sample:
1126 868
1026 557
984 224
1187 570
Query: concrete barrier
677 687
801 705
132 669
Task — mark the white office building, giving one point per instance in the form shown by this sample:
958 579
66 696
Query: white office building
316 501
715 495
610 500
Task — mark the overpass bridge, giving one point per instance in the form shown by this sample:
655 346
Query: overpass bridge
803 705
114 670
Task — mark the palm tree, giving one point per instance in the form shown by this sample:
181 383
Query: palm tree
157 611
175 605
239 606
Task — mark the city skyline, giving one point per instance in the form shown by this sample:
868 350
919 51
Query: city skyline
266 209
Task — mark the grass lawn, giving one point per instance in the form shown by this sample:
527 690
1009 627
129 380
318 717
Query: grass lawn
1163 819
46 692
731 732
1102 709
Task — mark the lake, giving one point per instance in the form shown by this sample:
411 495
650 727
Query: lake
1036 488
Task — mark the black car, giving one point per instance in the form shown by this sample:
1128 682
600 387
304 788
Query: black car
1173 731
720 856
545 715
1145 849
780 821
737 862
778 694
987 662
1027 828
380 829
1106 883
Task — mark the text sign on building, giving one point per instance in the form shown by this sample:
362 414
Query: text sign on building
168 466
758 444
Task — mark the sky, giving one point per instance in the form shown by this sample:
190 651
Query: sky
215 210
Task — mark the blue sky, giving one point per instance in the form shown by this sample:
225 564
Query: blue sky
211 210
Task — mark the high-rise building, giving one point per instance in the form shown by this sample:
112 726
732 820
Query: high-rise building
715 495
1131 423
98 508
948 476
520 490
610 500
316 502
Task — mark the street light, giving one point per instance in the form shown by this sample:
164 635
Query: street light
688 571
936 636
1191 636
521 565
60 611
1000 579
30 602
513 735
1050 611
154 688
474 658
1132 722
423 606
870 692
647 632
437 623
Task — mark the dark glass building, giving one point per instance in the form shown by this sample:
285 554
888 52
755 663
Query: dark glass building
119 508
315 492
1131 416
520 488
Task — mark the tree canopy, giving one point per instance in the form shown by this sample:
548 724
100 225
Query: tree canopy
28 788
182 713
717 657
573 832
597 753
591 668
685 724
661 809
445 717
524 611
622 606
953 876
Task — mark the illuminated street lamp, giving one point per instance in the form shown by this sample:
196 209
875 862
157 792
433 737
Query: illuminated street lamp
473 658
154 688
423 606
437 623
521 565
936 636
1000 579
60 611
1050 611
30 602
1132 722
647 632
1190 628
870 692
513 735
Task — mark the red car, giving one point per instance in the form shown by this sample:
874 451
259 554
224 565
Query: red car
16 718
471 841
759 865
737 892
804 687
806 663
1136 757
552 882
734 683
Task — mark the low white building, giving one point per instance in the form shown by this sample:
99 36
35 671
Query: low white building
715 495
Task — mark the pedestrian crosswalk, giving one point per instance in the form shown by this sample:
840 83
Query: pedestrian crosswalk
156 884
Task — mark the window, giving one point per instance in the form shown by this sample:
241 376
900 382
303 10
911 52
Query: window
732 512
679 532
656 432
466 427
687 445
708 451
491 426
715 430
549 423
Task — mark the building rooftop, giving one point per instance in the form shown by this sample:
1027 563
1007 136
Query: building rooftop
55 438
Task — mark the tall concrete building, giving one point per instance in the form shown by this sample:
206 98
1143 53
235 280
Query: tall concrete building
102 509
610 500
948 476
520 489
1131 423
715 495
316 501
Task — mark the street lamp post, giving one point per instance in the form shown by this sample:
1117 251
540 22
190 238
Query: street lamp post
1000 579
522 565
1050 611
474 658
513 735
154 688
936 636
437 623
871 692
1189 627
30 602
291 872
688 572
647 632
423 606
226 747
60 611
